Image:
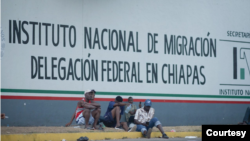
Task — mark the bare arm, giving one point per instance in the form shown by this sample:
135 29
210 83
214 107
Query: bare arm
88 105
72 118
93 103
121 104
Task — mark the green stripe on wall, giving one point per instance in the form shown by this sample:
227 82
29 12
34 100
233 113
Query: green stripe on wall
40 91
242 73
119 93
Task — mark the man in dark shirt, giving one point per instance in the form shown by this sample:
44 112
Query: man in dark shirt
113 115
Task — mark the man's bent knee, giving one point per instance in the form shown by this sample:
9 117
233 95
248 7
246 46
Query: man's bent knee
117 107
155 119
156 122
87 110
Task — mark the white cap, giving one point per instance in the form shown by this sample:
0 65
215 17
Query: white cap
90 90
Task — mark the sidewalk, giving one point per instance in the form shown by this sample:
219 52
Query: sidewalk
71 133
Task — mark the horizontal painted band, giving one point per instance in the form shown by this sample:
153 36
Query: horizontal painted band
92 136
112 99
119 93
234 41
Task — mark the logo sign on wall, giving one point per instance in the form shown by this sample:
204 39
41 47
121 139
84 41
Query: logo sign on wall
235 59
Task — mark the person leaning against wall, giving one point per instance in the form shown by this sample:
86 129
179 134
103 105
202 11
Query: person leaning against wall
145 120
130 111
113 115
87 111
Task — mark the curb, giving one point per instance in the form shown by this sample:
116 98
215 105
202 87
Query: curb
91 136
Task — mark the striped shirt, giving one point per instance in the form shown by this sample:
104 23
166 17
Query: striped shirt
79 110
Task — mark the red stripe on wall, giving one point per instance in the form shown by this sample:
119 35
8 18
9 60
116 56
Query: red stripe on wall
40 98
112 99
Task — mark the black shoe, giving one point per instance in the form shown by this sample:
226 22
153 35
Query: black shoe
119 128
83 139
165 136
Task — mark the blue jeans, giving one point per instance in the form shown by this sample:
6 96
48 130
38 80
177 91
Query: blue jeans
153 122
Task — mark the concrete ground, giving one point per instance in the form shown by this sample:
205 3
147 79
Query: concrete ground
72 133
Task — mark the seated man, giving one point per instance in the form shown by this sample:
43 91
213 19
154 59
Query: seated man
83 113
113 115
130 111
145 122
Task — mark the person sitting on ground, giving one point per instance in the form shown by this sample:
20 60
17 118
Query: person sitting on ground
130 111
145 120
2 115
83 113
113 115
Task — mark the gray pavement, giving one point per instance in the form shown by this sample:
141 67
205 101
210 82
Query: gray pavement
160 139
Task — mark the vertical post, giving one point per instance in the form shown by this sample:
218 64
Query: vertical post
235 63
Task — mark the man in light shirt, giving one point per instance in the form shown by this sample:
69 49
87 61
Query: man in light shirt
145 120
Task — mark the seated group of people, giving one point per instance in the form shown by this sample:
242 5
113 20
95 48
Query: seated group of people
88 113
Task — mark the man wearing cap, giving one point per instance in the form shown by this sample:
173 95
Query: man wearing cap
87 111
145 120
113 115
